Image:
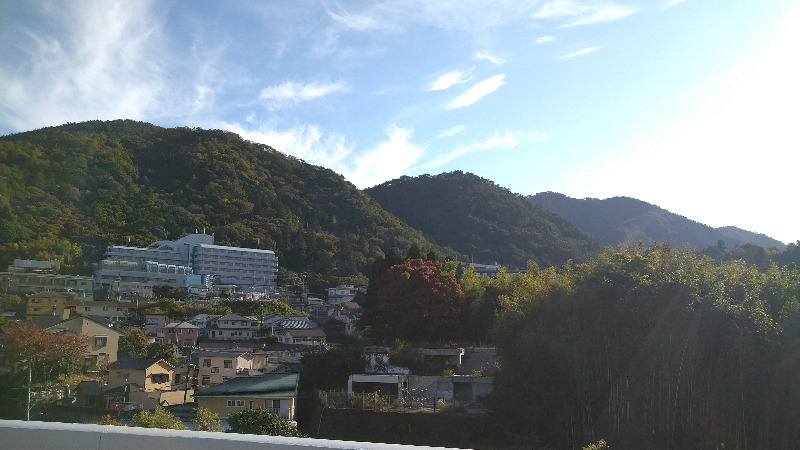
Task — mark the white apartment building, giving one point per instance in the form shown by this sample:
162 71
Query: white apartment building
191 260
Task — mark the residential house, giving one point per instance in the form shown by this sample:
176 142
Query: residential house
280 354
46 303
148 381
114 311
148 373
338 294
133 291
279 324
314 337
198 291
314 306
154 324
230 327
218 366
89 394
29 276
349 314
275 392
202 321
181 334
103 338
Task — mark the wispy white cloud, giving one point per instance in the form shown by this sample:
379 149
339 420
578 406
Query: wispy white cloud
580 52
305 142
92 61
450 79
451 131
292 92
486 56
545 39
572 13
478 91
499 141
387 160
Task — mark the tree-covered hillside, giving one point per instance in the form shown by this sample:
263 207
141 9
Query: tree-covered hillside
619 219
489 223
67 192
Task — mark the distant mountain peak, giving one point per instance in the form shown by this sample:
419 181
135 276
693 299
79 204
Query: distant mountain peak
619 219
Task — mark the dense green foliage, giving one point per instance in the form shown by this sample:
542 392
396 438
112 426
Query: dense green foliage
179 312
67 192
207 420
279 307
650 348
329 370
617 220
132 345
487 222
158 418
162 350
261 421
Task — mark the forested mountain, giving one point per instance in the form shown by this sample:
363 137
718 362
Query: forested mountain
67 192
489 223
614 220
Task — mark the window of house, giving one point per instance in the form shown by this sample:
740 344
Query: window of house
206 381
100 341
206 363
225 378
160 377
215 370
273 405
105 308
36 300
87 308
38 309
236 403
228 363
180 331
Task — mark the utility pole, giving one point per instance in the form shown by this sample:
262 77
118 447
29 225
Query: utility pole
28 404
188 369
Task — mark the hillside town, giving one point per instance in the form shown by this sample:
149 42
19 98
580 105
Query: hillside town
223 362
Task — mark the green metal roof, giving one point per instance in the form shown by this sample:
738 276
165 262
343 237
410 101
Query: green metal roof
267 385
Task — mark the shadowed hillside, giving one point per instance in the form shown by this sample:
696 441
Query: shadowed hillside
476 216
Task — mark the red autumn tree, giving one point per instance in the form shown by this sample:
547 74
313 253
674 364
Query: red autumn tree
419 303
48 353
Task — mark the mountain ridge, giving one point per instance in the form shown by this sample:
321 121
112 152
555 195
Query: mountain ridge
476 216
615 220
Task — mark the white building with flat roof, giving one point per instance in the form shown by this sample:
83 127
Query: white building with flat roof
192 259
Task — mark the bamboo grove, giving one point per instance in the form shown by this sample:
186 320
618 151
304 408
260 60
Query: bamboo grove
648 348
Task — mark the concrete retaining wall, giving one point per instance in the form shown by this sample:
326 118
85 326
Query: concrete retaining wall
16 434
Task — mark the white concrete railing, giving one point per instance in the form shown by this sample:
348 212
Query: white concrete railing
18 434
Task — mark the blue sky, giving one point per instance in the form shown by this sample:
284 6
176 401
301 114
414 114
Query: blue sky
691 105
